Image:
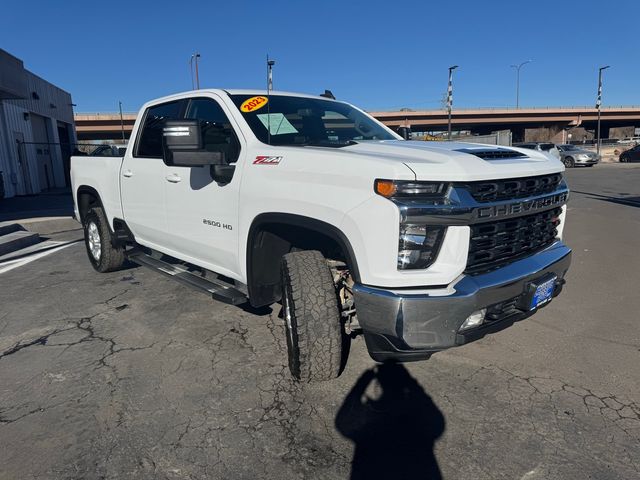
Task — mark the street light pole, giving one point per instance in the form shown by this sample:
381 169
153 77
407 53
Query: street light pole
270 64
518 67
598 102
450 99
121 122
195 56
197 74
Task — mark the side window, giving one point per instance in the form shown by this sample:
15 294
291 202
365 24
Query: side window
217 132
150 143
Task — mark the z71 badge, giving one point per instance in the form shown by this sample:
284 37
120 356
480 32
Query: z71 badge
266 160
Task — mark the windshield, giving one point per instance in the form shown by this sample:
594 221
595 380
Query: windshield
568 147
285 120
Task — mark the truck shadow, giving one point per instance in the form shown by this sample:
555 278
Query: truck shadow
394 434
622 199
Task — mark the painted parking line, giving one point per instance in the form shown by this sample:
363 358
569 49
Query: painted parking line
19 262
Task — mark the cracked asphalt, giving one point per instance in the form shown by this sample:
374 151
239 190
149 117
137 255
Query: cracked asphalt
130 375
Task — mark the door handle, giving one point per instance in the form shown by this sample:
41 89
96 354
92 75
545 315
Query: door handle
173 178
127 173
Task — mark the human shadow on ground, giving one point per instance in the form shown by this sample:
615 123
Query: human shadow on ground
395 432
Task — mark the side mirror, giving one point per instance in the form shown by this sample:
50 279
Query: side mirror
222 173
182 145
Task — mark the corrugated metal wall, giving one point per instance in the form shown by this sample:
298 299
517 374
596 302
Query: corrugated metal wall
16 118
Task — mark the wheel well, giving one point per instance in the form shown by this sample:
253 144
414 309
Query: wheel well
275 235
87 198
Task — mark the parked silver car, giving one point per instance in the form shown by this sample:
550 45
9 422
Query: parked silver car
574 156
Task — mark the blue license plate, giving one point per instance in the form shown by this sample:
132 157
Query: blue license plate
543 293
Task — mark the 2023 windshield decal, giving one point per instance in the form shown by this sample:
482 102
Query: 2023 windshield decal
253 103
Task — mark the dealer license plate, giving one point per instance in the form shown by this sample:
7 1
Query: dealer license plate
543 293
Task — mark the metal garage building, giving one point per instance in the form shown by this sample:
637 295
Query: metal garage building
37 132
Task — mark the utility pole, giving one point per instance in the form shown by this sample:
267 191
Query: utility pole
598 103
121 122
450 99
518 67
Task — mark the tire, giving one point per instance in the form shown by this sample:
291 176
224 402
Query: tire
623 159
311 314
104 257
568 162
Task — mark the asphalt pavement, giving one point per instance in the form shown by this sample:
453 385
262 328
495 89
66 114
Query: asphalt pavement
131 375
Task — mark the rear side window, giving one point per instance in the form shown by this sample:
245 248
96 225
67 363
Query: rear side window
150 143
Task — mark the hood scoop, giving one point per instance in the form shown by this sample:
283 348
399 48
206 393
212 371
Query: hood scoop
493 153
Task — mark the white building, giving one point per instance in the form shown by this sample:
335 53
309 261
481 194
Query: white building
37 133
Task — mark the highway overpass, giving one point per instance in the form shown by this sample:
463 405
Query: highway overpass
552 120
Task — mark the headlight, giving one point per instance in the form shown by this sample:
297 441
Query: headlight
418 245
407 188
583 156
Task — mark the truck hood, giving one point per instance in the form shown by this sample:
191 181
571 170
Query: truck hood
454 161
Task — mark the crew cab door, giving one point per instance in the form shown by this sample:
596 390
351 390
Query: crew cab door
142 177
202 215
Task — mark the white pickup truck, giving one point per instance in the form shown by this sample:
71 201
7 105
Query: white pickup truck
277 197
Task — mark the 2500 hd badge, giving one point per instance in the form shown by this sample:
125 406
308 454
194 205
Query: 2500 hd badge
215 223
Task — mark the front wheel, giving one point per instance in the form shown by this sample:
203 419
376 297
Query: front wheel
311 314
104 257
568 162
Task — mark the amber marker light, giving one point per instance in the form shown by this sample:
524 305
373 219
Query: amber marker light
386 188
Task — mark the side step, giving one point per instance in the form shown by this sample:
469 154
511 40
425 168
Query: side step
218 289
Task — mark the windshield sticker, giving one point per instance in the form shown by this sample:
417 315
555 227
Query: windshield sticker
267 160
253 103
277 123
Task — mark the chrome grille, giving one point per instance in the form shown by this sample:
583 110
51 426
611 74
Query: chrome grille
494 244
511 188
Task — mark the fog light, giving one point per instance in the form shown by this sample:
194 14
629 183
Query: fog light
475 319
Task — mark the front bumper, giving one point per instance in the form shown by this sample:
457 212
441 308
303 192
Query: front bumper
403 325
590 161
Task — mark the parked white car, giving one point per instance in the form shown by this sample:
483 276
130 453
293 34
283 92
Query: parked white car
281 197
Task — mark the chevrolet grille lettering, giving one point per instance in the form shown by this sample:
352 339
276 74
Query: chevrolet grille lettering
510 209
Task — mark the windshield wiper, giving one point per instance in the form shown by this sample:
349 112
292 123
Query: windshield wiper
327 143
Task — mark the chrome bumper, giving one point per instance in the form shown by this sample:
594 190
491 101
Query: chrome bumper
590 161
400 325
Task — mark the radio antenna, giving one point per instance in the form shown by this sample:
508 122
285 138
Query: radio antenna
270 64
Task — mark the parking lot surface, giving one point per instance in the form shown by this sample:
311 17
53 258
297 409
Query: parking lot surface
131 375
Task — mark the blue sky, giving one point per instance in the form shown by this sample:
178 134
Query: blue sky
376 54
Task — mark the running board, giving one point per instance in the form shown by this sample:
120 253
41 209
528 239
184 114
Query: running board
218 289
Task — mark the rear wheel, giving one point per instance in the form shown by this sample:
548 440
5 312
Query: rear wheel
104 257
568 162
312 317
